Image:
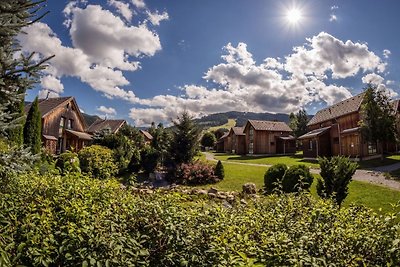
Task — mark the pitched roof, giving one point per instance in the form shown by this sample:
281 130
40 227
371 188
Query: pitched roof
277 126
238 130
47 105
101 124
344 107
80 135
147 134
314 133
224 136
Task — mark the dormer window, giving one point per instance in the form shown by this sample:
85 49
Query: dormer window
70 124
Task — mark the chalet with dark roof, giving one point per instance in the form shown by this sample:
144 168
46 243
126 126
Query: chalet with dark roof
146 136
63 126
111 126
335 131
223 144
268 137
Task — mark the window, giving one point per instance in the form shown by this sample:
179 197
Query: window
371 148
251 133
62 125
310 145
70 123
60 143
272 143
251 148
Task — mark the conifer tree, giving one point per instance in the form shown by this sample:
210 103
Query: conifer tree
33 128
219 170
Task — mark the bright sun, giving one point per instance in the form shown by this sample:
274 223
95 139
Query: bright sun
294 15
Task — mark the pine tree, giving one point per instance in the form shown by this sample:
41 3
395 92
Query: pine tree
302 120
219 170
378 121
185 141
17 74
33 128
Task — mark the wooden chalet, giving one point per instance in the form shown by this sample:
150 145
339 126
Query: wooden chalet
63 126
223 144
335 131
111 126
268 137
236 141
146 136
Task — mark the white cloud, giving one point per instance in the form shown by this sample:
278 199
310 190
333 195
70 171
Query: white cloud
108 111
334 7
332 18
275 85
123 8
372 78
386 53
139 3
51 85
155 18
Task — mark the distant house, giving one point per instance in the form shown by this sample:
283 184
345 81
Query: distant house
268 137
237 141
147 136
223 144
111 126
63 126
335 131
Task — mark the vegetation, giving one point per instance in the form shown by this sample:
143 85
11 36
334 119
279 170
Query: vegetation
378 123
297 178
229 124
149 157
219 170
208 139
298 122
195 173
273 178
106 225
336 174
33 128
98 162
68 162
161 142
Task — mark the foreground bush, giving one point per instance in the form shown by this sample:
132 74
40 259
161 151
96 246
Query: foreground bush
273 177
98 161
68 162
64 221
297 178
195 173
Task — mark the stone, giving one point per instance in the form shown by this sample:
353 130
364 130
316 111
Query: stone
212 190
211 194
244 202
249 188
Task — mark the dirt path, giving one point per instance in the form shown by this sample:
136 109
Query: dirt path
373 176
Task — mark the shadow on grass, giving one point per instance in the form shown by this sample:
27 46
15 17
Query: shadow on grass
377 162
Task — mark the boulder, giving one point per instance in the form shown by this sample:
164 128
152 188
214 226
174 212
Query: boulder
212 190
249 188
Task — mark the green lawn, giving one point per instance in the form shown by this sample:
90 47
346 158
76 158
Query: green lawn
228 125
372 196
268 160
388 160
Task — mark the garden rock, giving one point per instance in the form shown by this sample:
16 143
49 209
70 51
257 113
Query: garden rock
249 188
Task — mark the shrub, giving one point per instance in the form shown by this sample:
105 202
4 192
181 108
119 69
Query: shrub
64 221
149 159
196 173
98 161
134 163
297 178
68 162
273 177
219 170
336 174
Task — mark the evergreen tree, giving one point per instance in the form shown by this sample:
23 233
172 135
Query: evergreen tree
293 122
161 141
219 170
185 140
302 120
378 121
17 74
33 128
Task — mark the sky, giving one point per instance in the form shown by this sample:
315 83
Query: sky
147 61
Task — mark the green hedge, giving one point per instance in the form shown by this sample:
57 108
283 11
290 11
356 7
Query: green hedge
65 221
98 161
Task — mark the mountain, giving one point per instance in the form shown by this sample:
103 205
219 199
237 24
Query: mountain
89 119
240 117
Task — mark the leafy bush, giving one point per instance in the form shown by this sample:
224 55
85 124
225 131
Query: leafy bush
134 163
68 162
297 178
273 177
64 221
208 139
149 159
336 174
196 173
219 170
98 161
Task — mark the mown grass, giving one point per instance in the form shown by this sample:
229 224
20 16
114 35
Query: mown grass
228 125
268 160
387 160
378 198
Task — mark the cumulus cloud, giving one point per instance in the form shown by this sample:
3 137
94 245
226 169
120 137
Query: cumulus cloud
275 85
139 3
51 86
332 18
123 8
372 78
156 17
103 46
386 53
108 111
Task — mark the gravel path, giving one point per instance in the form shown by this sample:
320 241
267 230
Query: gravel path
373 176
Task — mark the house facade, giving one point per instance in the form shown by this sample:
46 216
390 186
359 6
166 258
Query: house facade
335 131
237 141
268 137
63 126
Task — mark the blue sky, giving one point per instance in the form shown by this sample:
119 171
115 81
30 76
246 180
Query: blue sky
147 61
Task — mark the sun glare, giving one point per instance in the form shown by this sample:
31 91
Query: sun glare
294 15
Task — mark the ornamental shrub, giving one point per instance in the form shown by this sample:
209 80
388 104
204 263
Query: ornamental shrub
68 162
336 174
195 173
273 177
64 221
297 178
134 163
149 159
219 170
98 162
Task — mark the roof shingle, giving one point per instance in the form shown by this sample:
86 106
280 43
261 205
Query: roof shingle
238 130
277 126
101 124
47 105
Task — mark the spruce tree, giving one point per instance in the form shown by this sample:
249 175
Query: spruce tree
219 170
33 128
